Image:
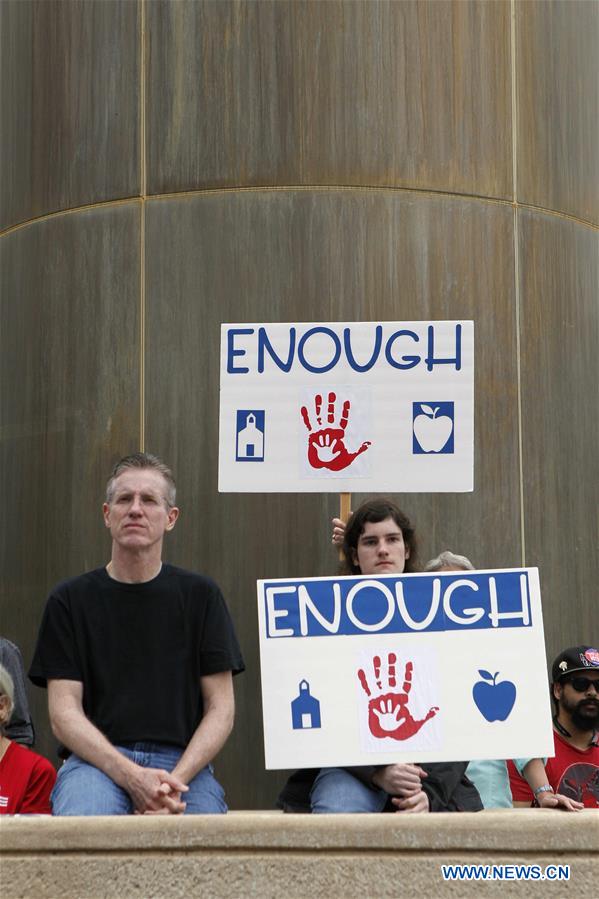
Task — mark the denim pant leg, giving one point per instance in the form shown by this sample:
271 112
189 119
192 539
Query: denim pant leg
205 795
82 789
336 791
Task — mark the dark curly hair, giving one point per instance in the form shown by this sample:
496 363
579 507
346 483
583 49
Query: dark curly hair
376 510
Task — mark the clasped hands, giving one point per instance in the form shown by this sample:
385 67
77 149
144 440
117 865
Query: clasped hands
155 791
403 783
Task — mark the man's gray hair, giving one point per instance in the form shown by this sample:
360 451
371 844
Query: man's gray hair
143 460
448 559
7 688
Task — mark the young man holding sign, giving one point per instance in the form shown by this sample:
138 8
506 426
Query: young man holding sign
379 539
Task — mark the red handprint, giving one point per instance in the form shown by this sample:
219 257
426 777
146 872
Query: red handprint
326 448
388 713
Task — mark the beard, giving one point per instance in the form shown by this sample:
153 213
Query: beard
584 713
584 717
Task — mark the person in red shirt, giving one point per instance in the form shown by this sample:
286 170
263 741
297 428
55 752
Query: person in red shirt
26 778
574 769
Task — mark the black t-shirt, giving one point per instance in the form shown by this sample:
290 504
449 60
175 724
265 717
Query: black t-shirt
139 650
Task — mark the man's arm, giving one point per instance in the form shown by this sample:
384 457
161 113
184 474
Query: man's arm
214 728
536 776
149 788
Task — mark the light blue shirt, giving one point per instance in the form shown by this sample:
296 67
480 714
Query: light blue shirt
490 778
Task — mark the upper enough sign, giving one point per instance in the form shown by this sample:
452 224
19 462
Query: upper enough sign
347 407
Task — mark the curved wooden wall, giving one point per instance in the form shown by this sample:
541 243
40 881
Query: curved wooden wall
168 166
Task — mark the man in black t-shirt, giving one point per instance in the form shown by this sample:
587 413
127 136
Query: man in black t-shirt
138 659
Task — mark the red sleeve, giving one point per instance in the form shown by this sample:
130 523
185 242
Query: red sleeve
36 800
521 792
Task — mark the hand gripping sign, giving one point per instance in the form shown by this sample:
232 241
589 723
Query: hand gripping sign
346 407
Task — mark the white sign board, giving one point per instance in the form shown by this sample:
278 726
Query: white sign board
347 407
403 668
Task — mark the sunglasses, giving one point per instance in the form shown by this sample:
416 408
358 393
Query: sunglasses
582 684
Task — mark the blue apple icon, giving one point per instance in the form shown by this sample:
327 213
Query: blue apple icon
494 700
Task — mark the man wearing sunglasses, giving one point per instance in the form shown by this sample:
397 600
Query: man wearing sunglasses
574 769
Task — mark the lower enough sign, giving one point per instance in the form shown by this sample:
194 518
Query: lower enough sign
420 667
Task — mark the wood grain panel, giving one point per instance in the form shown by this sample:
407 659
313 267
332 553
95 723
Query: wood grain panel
343 92
69 91
317 256
560 413
558 105
69 399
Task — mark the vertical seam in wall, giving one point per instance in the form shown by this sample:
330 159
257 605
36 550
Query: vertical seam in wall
142 230
516 252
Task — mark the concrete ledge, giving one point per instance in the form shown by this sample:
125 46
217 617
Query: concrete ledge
266 854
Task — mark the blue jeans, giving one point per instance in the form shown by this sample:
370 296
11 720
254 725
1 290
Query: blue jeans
336 791
82 789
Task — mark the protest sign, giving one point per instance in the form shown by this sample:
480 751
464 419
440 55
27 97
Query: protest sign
347 407
403 668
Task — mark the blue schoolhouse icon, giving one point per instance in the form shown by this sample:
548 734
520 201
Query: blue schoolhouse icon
305 709
249 441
